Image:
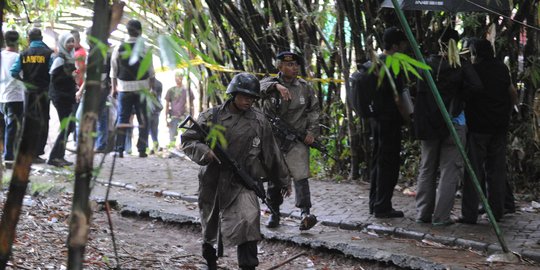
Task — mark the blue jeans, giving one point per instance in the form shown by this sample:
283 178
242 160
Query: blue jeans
101 124
13 112
127 102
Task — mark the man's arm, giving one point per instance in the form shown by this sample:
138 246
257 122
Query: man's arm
270 84
16 68
114 71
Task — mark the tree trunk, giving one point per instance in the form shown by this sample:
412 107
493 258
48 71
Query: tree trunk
80 212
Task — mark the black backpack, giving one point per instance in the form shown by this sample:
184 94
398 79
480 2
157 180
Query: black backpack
361 93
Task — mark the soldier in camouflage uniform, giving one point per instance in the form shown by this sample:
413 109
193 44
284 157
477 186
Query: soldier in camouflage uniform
223 201
293 100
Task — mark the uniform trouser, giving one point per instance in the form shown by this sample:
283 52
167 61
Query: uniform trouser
435 202
127 101
65 110
301 191
487 153
385 164
247 255
13 112
36 110
246 252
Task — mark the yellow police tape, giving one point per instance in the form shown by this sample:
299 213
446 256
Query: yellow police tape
198 61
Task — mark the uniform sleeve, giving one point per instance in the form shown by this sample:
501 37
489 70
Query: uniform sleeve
268 84
270 97
273 159
193 142
313 113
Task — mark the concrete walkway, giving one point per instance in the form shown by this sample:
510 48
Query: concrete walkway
343 206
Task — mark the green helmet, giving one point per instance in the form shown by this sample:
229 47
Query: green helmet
244 83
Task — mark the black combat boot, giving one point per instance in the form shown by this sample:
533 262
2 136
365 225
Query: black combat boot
273 221
308 220
209 254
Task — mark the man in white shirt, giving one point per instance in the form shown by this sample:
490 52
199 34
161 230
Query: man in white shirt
11 96
129 85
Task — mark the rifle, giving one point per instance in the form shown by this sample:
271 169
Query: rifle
289 135
246 180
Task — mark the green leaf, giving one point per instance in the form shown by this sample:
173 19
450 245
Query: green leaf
168 51
405 58
380 78
412 70
215 135
145 64
102 47
64 124
395 66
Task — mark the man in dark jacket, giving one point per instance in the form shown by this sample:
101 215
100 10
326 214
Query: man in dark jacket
32 67
488 119
128 85
386 132
454 78
227 207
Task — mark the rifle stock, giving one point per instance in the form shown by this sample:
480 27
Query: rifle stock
246 179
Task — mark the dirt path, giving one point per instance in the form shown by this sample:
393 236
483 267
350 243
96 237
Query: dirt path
143 243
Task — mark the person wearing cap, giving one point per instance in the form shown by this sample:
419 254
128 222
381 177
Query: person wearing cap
488 120
293 101
439 153
229 211
128 86
32 67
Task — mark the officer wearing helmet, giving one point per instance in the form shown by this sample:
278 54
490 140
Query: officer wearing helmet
293 100
227 208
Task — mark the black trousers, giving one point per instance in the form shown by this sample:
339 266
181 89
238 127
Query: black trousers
385 164
65 110
487 153
247 255
36 110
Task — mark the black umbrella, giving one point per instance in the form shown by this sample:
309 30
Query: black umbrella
498 6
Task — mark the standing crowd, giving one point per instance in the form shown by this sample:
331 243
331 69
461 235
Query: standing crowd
477 92
34 78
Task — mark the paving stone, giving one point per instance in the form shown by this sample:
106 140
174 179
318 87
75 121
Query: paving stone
345 206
